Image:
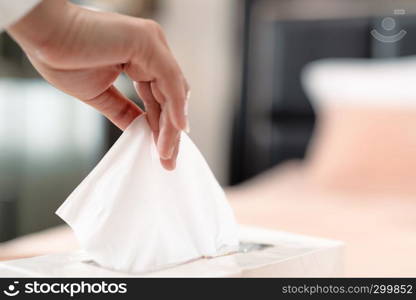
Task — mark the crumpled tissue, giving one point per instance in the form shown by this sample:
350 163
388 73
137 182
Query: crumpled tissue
129 214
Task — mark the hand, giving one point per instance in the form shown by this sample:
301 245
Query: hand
82 52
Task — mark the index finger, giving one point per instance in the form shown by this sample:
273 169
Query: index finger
174 91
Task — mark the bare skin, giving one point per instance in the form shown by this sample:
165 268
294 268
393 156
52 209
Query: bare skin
82 52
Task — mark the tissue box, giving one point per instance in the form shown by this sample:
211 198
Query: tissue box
264 253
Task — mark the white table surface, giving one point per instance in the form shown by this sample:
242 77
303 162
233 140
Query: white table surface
290 255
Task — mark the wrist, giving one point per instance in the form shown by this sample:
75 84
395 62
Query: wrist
42 26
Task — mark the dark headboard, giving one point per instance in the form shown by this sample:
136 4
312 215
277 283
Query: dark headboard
275 120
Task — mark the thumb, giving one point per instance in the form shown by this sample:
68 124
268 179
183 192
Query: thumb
120 110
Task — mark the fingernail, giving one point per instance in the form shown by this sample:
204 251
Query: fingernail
170 152
156 138
173 165
164 153
185 108
187 128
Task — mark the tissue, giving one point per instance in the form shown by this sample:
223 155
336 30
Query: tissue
129 214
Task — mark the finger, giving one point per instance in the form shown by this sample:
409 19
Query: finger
151 105
157 93
170 164
168 130
160 100
188 96
116 107
173 89
187 88
167 136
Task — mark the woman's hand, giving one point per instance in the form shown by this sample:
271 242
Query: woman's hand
82 52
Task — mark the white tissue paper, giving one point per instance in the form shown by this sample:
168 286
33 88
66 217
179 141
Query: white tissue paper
129 214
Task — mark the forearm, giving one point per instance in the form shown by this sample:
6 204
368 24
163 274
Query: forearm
82 52
42 25
56 29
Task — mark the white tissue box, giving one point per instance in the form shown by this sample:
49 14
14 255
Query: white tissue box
288 255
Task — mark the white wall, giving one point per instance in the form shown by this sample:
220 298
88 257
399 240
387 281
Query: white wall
202 36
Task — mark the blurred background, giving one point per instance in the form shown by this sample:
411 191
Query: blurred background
262 135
